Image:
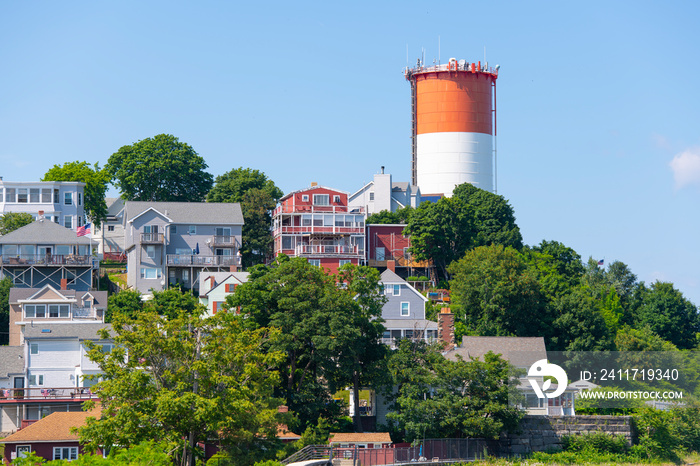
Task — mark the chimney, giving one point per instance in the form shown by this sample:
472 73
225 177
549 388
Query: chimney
282 409
314 184
210 284
64 283
391 265
382 169
40 216
446 328
233 268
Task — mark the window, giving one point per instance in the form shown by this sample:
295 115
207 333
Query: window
371 196
62 249
56 197
68 221
68 198
53 310
185 276
10 195
70 276
22 195
321 199
110 227
396 290
9 250
23 451
46 195
34 348
231 287
336 199
305 198
80 198
151 251
405 309
35 310
342 262
36 379
150 272
183 251
306 220
173 229
65 453
287 242
315 262
34 195
107 348
80 221
192 230
57 219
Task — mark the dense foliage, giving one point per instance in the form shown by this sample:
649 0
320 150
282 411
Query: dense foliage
96 181
160 168
10 221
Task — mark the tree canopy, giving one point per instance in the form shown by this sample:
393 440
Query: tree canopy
440 398
329 333
160 168
10 221
5 285
96 180
186 379
258 196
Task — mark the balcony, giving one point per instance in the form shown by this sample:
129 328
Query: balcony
309 209
318 230
329 250
197 260
14 395
152 238
224 241
46 260
85 313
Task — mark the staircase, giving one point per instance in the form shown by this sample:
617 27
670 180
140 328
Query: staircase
310 453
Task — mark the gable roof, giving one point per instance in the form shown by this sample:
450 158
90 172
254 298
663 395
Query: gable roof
519 351
44 231
73 330
354 437
390 277
219 277
56 427
209 213
11 360
22 294
311 188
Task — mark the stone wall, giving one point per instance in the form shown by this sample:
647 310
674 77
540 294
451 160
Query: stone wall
540 433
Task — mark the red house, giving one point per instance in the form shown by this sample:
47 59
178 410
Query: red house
316 223
50 437
387 242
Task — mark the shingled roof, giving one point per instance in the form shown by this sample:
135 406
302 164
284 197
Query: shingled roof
208 213
519 351
55 427
44 231
11 360
353 437
78 331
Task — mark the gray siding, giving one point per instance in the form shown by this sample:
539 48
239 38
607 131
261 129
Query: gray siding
392 308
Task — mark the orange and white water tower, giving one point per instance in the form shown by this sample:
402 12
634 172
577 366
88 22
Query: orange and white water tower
454 126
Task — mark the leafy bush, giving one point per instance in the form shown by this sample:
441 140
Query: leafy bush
600 442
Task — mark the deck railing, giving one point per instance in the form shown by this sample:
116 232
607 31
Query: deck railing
197 260
46 259
12 395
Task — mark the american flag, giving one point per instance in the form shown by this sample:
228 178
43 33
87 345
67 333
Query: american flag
601 262
84 230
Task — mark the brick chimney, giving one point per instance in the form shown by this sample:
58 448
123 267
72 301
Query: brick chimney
233 268
391 265
446 328
282 409
64 283
41 215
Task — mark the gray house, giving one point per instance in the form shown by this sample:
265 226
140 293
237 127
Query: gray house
173 242
45 253
404 311
383 194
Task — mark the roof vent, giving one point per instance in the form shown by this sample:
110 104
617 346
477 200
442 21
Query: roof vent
45 330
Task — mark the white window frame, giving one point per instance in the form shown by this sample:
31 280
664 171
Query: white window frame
192 229
80 198
22 451
110 227
36 379
396 290
315 262
68 221
145 273
322 199
71 453
34 348
151 251
67 198
342 262
408 309
336 199
304 198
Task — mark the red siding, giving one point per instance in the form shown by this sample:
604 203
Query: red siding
389 237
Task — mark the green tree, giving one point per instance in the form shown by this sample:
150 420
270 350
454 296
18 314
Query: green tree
401 216
11 221
495 293
493 217
641 339
234 184
126 302
669 315
5 285
185 380
160 169
257 195
330 329
578 324
356 328
96 180
453 399
441 232
256 206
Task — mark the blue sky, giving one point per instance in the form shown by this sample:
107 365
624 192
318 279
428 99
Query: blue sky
598 104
